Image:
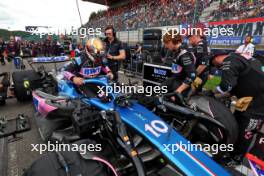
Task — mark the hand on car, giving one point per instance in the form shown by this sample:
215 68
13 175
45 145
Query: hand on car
110 75
177 97
78 81
173 98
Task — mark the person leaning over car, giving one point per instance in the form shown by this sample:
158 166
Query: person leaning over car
115 51
201 53
243 77
183 67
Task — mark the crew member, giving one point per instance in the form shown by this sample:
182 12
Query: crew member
13 49
89 65
248 48
183 67
115 51
201 53
2 50
244 78
138 49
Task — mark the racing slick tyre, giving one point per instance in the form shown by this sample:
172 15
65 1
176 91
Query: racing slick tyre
22 93
152 34
77 163
219 112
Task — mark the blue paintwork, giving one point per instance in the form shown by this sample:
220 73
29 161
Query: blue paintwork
50 59
194 163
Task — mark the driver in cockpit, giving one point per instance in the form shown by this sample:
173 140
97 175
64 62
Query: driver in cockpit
89 65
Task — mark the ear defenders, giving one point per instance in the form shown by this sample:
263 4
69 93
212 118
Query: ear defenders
251 38
113 30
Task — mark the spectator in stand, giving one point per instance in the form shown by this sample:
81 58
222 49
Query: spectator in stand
234 9
139 14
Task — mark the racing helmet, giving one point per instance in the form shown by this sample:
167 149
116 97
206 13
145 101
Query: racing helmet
94 47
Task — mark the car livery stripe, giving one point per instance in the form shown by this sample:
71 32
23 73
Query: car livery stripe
196 160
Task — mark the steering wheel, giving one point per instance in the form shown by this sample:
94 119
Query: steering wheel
122 100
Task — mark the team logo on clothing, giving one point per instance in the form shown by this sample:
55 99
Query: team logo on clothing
175 68
261 140
91 71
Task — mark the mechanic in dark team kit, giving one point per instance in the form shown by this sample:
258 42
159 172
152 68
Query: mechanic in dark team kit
183 67
88 65
201 53
243 76
115 51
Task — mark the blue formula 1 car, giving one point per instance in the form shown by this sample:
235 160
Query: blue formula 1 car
141 142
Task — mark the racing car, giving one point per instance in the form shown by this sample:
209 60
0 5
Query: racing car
67 113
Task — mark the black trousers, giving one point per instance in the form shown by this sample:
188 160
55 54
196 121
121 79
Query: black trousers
2 59
248 125
114 67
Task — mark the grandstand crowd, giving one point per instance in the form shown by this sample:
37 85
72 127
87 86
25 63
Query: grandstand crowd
148 13
238 10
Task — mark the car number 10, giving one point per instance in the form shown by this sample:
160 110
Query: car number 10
156 127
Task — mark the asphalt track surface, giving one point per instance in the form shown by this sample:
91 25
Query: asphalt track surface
17 155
